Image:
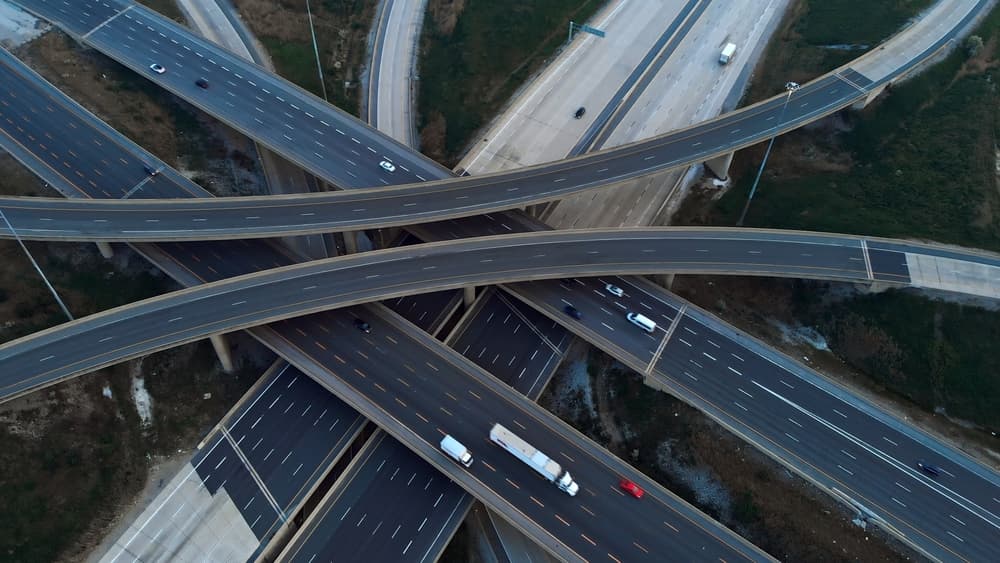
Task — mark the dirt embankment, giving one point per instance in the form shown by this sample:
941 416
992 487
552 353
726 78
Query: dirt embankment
341 30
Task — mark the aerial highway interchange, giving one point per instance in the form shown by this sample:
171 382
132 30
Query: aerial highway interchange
984 514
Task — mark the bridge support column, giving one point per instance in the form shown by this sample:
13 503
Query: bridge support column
869 98
470 296
350 242
720 165
664 280
106 250
221 345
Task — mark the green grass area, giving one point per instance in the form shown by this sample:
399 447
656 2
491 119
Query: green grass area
934 353
838 22
919 163
341 30
820 35
295 62
467 74
922 164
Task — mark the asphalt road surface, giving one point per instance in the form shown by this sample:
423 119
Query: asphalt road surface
194 263
280 293
346 152
844 445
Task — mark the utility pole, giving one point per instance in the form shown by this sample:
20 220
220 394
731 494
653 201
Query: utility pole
789 88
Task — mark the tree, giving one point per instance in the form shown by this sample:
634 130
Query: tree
973 45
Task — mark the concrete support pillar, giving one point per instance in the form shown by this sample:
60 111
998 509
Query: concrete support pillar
106 250
221 346
470 296
350 242
720 165
869 98
664 280
539 209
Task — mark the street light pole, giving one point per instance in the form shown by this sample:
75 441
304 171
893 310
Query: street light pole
789 88
319 66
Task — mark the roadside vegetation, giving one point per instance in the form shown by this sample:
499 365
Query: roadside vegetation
475 55
940 355
698 460
341 27
922 162
166 8
817 36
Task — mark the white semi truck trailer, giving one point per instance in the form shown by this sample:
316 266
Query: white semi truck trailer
541 463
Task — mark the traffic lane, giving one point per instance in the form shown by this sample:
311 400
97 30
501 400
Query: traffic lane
434 396
818 87
151 38
94 159
79 18
323 284
220 468
931 50
550 330
504 343
602 314
905 247
889 265
365 513
427 310
880 483
220 255
291 432
805 91
709 347
769 402
280 121
683 367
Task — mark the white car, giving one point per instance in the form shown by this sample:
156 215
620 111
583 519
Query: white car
387 166
614 290
157 68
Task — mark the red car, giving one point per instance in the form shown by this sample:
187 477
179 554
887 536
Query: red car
631 488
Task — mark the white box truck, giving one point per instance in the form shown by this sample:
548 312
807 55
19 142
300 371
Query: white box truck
456 450
541 463
727 53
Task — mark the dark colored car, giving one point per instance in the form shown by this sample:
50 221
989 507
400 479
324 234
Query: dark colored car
579 112
150 170
631 488
202 83
362 326
573 312
929 469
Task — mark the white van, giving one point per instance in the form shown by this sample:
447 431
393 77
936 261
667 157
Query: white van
727 53
456 450
641 321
